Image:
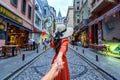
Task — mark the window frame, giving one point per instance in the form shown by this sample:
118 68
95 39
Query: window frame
12 2
24 4
29 11
78 21
78 7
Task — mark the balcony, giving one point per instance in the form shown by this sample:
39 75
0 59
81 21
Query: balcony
98 5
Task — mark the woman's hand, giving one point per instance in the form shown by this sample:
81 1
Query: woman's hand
53 72
54 69
59 62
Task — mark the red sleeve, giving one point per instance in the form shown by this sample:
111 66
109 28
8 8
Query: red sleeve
52 43
64 45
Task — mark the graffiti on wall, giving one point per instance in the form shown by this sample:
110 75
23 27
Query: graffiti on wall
111 27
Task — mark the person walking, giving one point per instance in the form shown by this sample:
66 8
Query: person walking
44 44
60 43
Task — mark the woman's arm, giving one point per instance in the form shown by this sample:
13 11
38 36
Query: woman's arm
62 51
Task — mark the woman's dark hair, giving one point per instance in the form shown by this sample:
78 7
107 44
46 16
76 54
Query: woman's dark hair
57 43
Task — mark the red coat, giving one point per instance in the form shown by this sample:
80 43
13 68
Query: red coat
64 74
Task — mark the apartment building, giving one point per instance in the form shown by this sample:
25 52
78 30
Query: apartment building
16 21
38 20
83 25
69 17
76 6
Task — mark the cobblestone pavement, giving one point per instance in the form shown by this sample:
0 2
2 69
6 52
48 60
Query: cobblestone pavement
79 70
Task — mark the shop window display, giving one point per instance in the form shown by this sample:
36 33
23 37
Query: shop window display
2 32
2 35
16 35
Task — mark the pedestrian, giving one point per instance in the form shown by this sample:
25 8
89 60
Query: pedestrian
60 44
44 44
31 43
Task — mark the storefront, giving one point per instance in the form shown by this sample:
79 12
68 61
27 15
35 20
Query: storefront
2 33
12 29
106 29
37 35
84 38
44 35
16 35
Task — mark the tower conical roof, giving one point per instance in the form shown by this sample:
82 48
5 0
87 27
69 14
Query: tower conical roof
59 14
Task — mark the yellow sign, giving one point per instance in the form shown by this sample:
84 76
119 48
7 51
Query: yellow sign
9 14
2 26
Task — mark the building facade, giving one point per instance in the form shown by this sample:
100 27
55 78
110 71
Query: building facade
81 21
38 20
60 19
16 21
83 25
46 20
104 20
69 17
101 18
53 21
76 6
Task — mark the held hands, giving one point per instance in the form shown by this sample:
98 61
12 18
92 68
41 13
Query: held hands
53 72
59 63
56 68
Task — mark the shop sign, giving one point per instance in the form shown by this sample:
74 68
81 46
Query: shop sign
9 14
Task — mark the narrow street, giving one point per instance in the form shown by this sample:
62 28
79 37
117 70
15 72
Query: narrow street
29 27
79 69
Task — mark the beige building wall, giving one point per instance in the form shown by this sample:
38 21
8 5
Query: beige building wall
70 15
76 6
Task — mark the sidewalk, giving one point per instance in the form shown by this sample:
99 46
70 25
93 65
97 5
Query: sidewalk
109 64
12 64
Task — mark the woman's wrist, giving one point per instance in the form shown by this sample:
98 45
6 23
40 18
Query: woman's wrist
60 55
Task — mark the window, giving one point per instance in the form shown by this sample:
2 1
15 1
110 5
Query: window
78 16
23 6
29 11
78 20
37 20
45 12
78 2
77 8
14 2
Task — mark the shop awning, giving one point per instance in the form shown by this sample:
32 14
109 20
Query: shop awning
1 17
12 18
6 19
43 33
36 30
82 25
110 12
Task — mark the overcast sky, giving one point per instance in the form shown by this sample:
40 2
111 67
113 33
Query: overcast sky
61 5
